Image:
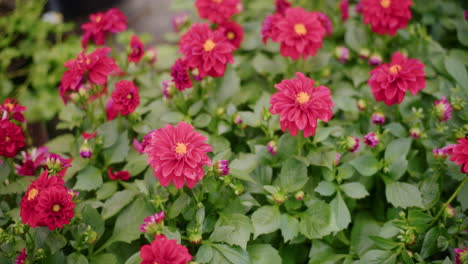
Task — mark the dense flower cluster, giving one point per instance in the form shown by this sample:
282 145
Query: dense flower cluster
300 104
47 203
177 154
389 82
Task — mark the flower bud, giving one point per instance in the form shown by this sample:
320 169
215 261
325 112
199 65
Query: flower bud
272 147
364 54
352 143
152 55
342 54
179 21
238 188
85 150
371 139
415 132
237 119
279 197
336 162
361 105
375 59
443 109
299 195
220 111
221 167
439 153
449 211
461 255
153 224
168 89
378 118
195 238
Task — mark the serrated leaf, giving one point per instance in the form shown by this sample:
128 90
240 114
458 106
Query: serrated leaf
116 203
366 165
316 220
293 175
341 212
265 220
325 188
234 255
264 254
398 148
234 229
403 195
289 227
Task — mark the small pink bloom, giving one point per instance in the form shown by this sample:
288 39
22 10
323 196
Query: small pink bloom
371 140
375 59
31 161
337 160
222 167
378 118
352 143
137 49
152 223
415 132
10 109
272 147
21 259
443 109
342 53
178 21
85 135
344 8
461 255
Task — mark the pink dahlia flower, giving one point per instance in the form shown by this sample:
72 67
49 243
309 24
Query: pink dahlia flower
459 154
217 11
389 82
300 104
177 154
386 16
207 50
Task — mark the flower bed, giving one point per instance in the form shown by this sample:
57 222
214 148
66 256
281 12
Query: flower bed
269 133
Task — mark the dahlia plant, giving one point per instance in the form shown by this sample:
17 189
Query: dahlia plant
264 132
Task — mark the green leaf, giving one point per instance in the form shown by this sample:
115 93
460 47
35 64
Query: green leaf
202 120
315 222
195 108
250 118
243 166
234 229
134 259
293 175
457 70
325 188
92 218
264 254
109 133
263 64
354 190
419 219
106 190
341 212
234 255
119 151
61 144
403 195
104 258
204 254
355 36
375 256
76 258
289 227
322 253
366 165
429 245
398 148
88 179
363 227
179 205
265 220
396 129
230 85
18 186
136 165
384 243
172 117
55 241
397 167
116 203
125 229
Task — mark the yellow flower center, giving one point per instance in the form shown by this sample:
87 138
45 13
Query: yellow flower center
209 45
155 262
395 69
32 194
385 3
10 106
302 97
300 29
217 1
98 19
231 35
56 208
7 138
181 148
129 96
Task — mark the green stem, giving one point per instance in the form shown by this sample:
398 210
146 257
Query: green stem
442 209
300 143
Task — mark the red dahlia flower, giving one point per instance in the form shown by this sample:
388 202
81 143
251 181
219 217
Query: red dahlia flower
386 16
164 251
269 28
111 21
180 75
93 67
300 33
281 6
55 207
217 11
177 154
233 32
11 138
10 109
207 50
326 22
28 204
138 49
300 104
344 8
459 154
124 100
119 175
389 82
